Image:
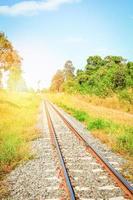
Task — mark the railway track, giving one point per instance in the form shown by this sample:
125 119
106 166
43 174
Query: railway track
86 174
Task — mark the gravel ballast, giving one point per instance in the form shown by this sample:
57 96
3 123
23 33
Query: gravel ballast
89 179
39 178
116 160
36 179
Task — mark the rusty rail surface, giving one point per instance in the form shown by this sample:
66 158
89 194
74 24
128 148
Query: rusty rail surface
55 142
118 178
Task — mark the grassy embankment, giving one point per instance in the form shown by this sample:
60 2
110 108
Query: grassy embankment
18 116
113 127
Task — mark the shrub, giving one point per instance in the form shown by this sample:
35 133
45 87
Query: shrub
80 115
126 95
125 141
97 124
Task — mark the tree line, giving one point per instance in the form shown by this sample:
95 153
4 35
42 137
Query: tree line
100 76
10 62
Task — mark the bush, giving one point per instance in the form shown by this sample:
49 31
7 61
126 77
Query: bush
125 141
9 149
97 124
126 95
80 115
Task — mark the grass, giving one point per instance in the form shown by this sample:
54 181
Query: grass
96 124
80 115
18 116
113 102
115 133
93 107
120 135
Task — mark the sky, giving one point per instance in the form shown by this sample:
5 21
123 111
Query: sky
47 33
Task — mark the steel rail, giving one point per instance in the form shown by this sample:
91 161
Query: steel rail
118 178
55 142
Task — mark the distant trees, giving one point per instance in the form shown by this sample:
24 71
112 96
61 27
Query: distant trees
62 77
10 61
114 60
68 70
101 76
93 62
129 81
57 81
8 56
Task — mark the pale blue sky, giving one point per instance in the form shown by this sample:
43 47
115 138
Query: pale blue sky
48 32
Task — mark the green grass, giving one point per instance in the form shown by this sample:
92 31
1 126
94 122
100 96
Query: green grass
95 124
80 115
117 136
125 140
10 145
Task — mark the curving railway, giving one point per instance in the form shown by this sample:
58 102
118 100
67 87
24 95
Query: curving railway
85 173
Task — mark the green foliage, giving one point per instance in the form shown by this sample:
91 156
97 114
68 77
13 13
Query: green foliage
119 78
80 115
101 76
9 148
126 96
125 141
114 60
98 124
93 63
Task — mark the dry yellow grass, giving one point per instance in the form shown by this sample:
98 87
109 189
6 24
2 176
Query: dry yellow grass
18 116
80 102
108 102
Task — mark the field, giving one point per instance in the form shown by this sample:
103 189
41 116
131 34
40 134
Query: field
18 116
111 126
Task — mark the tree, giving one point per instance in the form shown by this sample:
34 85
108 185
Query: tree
61 76
114 60
130 69
129 77
9 58
68 70
119 79
94 60
81 77
57 81
101 76
6 52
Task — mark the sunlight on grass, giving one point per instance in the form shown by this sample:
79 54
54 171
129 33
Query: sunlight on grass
80 115
98 124
116 134
109 102
97 110
18 113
